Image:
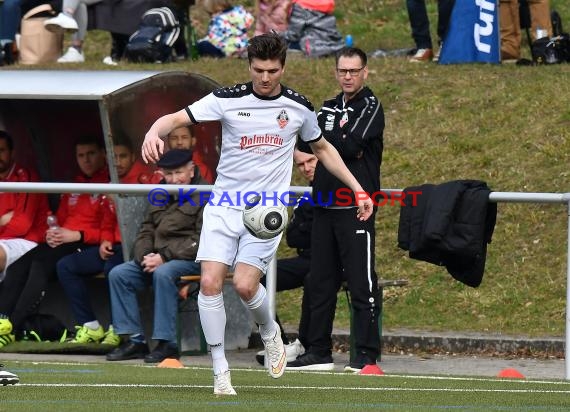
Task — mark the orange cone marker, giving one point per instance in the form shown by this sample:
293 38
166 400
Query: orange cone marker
510 373
170 363
371 370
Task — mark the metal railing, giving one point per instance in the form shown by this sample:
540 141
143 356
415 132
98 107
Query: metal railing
134 189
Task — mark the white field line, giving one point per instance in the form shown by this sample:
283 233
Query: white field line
331 373
284 387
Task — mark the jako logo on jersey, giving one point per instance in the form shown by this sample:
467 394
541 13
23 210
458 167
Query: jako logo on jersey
282 118
260 140
245 114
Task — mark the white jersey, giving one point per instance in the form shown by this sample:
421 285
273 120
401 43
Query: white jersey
258 139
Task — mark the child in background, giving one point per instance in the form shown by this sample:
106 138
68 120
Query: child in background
227 31
272 15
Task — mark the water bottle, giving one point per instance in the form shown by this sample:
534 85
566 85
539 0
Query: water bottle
540 32
348 41
193 45
52 222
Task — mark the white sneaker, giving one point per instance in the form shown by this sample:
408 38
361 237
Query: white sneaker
8 378
293 350
275 355
61 23
72 55
422 55
109 61
223 384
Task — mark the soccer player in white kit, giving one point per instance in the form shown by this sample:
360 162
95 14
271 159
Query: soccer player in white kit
260 121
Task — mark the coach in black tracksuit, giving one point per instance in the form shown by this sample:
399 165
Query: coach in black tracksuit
353 122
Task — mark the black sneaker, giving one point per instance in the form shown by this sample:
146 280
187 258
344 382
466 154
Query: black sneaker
163 350
359 363
311 362
128 350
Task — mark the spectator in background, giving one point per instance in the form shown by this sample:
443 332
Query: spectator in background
22 215
510 25
183 138
72 270
227 30
122 18
79 217
419 23
73 18
292 272
129 169
164 250
312 28
272 15
353 122
10 17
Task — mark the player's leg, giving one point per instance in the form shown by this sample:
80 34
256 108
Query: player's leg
212 312
252 260
217 250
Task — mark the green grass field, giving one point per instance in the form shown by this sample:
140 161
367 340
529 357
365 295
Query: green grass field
505 124
99 387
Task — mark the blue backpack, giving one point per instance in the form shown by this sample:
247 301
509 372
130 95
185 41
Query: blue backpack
152 42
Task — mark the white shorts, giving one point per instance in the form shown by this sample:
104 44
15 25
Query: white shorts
14 249
225 239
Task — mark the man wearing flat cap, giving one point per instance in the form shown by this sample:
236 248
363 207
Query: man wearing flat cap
165 249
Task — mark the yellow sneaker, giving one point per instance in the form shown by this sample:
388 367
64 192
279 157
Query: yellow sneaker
111 338
6 339
87 335
5 326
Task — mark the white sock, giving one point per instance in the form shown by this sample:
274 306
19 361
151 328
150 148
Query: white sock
259 308
93 325
213 320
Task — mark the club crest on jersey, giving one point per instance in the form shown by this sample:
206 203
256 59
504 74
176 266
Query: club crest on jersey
282 119
344 119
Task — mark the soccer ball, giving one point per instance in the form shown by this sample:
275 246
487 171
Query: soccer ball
264 221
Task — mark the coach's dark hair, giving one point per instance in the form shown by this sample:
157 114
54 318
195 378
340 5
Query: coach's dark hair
269 46
351 52
9 141
90 139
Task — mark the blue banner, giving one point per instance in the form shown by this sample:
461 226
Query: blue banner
473 33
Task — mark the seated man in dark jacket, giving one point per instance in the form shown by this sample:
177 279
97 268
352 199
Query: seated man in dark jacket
292 272
165 249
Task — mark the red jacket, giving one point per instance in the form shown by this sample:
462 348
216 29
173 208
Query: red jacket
84 212
110 226
141 173
30 209
205 171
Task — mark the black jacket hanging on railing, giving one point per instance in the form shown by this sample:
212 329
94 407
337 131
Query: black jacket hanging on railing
449 225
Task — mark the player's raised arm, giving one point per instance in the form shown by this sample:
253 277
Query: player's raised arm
334 164
153 145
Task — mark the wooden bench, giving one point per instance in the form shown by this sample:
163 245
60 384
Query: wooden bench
188 294
192 285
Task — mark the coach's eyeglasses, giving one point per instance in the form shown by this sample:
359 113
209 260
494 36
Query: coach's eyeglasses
353 72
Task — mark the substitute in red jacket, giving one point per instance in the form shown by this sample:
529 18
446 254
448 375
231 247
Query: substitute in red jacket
129 169
74 269
22 215
79 217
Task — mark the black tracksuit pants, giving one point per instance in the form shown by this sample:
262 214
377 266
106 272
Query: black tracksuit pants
339 240
293 273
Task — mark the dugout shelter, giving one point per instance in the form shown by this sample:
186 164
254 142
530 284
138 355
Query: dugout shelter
46 111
